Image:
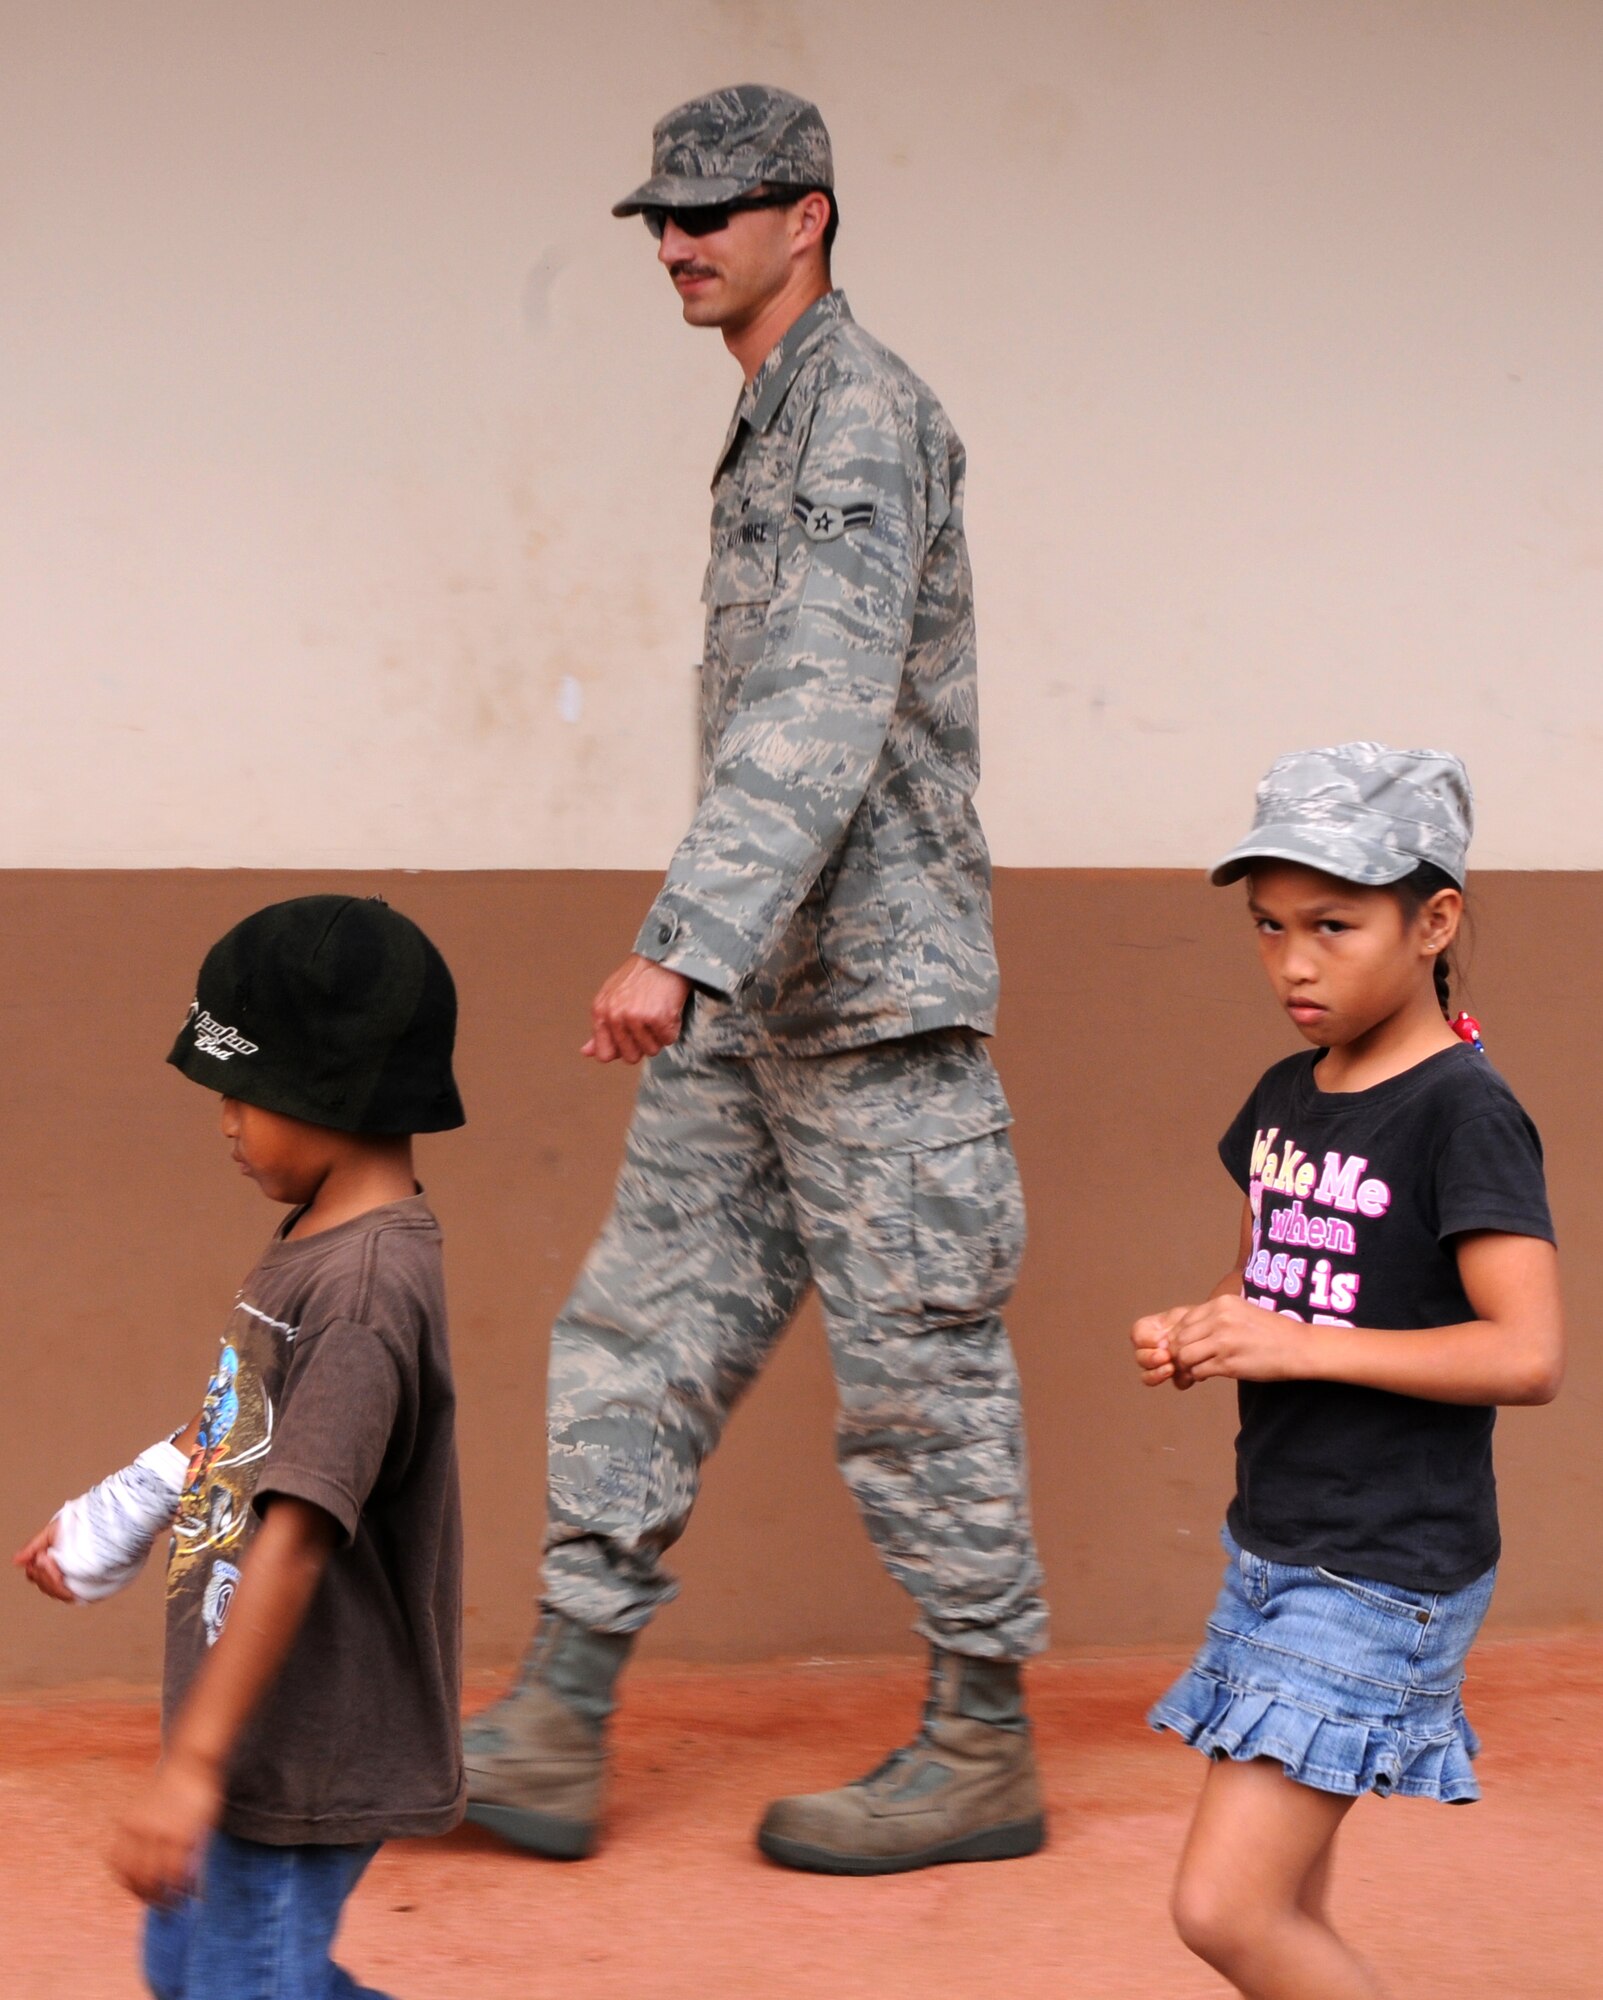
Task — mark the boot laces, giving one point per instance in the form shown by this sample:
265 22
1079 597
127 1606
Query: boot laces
896 1760
910 1752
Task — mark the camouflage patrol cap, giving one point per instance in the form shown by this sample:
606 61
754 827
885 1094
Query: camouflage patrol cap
718 147
1360 812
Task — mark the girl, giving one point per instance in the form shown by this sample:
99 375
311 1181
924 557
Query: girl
1395 1279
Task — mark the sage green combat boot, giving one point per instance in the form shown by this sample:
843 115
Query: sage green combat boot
965 1788
536 1760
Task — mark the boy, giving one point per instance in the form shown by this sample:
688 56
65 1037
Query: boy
310 1696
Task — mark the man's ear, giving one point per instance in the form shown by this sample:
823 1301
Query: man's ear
808 221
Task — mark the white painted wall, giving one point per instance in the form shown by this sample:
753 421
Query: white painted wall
354 460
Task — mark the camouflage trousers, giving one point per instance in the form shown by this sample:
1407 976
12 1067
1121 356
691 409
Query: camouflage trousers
885 1176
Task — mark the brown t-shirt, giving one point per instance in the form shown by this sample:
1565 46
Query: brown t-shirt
334 1385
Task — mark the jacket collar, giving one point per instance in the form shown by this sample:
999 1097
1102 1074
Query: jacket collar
763 395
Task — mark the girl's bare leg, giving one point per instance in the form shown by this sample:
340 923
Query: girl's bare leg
1249 1896
1313 1899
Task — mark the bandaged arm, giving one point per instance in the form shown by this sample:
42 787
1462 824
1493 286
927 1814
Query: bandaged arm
103 1537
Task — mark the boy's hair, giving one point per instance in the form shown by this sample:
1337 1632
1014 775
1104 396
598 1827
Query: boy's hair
332 1009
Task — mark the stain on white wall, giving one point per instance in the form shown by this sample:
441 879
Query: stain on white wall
356 460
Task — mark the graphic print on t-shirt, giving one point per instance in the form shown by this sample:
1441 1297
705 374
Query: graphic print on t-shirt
1356 1201
236 1433
1304 1249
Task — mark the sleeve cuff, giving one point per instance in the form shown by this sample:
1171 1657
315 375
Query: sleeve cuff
293 1482
665 940
1500 1222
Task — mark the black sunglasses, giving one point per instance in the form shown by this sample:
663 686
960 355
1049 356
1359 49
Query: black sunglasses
707 220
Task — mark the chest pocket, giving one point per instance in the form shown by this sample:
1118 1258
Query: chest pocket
743 572
738 591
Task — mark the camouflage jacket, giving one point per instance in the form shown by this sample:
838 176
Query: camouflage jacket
834 887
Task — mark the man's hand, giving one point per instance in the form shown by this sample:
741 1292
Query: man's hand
157 1847
1245 1343
637 1013
37 1561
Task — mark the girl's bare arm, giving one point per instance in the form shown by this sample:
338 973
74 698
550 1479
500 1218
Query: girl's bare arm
1511 1352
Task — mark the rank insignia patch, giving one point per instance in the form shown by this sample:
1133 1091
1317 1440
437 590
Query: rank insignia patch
828 519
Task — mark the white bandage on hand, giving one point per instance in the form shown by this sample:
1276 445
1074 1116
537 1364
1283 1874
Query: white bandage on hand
104 1536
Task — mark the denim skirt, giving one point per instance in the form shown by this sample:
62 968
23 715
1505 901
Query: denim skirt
1351 1686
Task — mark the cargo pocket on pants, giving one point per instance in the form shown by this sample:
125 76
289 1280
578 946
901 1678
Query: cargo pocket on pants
930 1434
967 1213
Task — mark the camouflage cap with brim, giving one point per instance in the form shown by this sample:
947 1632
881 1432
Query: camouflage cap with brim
1360 812
719 147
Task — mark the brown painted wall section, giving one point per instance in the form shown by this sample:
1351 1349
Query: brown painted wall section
1134 1021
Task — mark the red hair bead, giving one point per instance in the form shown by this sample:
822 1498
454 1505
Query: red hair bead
1468 1029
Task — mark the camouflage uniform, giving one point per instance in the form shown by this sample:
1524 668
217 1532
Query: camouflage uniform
830 1114
835 881
885 1176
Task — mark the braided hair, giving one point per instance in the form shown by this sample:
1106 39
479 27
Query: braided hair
1414 892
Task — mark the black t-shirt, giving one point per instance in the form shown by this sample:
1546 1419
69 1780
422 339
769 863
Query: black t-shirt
1356 1199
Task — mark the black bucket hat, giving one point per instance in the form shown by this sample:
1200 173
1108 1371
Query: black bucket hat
332 1009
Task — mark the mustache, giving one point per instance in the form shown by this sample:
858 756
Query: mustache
687 267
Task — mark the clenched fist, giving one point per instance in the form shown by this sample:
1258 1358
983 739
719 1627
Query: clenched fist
637 1013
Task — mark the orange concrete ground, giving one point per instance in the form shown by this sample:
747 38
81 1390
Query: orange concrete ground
1497 1901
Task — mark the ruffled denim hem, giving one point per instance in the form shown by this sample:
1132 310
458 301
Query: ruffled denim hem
1315 1750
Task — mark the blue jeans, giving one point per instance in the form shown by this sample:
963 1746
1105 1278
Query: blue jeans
260 1928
